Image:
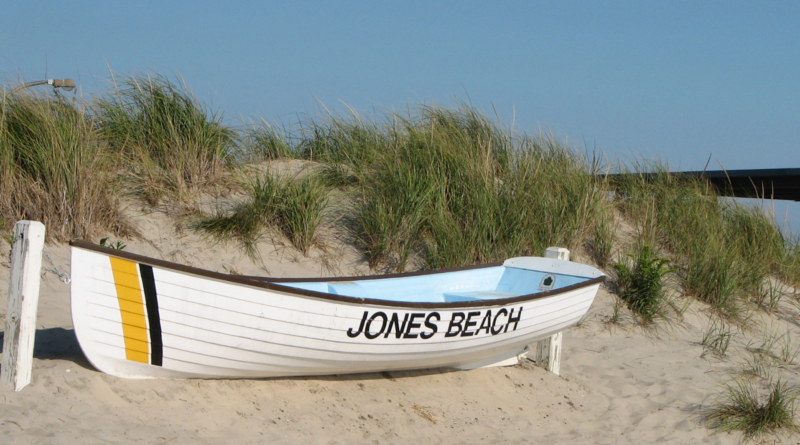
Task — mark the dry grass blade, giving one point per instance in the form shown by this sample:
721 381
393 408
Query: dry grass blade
425 412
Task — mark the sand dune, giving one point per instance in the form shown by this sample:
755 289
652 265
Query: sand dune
618 384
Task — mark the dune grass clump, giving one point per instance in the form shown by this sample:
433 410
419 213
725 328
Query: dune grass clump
449 188
604 231
717 338
641 284
392 204
523 196
54 169
339 140
170 143
724 251
301 211
442 187
790 272
745 407
759 243
245 222
337 176
294 207
543 197
715 277
265 142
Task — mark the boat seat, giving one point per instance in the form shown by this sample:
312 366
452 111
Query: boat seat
347 288
474 295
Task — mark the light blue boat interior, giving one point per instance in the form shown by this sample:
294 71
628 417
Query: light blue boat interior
489 283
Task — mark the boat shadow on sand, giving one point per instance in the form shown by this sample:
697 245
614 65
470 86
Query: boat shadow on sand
56 344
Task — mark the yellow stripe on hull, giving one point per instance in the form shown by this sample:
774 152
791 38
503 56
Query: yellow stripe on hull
131 307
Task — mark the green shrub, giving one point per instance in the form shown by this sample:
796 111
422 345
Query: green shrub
641 284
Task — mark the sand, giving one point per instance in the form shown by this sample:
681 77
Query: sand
619 383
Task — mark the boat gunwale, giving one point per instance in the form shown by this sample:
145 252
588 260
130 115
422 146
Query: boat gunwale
261 282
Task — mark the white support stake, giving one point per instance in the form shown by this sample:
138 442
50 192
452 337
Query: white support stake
548 351
558 253
23 299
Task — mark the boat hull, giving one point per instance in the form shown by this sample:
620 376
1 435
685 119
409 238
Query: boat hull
137 318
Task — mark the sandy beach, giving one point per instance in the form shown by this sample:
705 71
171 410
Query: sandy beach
619 383
319 144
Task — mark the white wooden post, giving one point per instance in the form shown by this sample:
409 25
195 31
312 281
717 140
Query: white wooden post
548 351
23 299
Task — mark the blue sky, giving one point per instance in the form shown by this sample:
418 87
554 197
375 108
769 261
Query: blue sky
677 81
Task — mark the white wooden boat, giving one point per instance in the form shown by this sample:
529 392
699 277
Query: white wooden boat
140 317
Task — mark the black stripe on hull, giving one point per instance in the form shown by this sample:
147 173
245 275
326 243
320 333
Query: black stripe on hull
153 318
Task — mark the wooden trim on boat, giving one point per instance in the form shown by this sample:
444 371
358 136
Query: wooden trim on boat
261 282
375 277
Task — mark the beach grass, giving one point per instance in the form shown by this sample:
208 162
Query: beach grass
54 168
350 140
337 176
442 187
755 411
170 144
717 338
604 235
265 141
294 207
430 188
452 188
790 269
724 251
787 349
301 211
245 222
